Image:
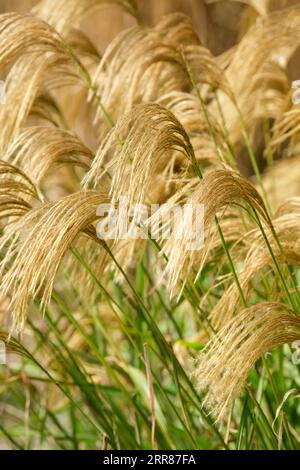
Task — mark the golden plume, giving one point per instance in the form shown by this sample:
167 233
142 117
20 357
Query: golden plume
222 368
32 261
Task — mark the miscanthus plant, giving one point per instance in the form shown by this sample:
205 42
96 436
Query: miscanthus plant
139 344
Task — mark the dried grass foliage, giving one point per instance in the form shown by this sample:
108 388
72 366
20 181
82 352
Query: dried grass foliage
223 367
53 228
37 151
161 107
217 190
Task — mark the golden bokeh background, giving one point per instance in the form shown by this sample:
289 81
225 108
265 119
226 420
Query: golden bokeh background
219 23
